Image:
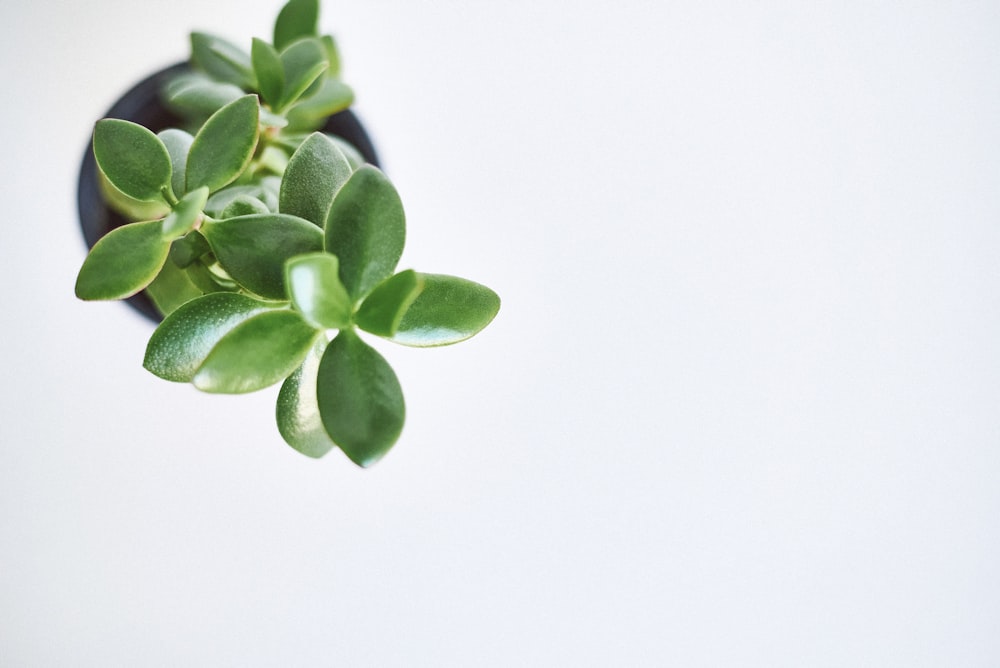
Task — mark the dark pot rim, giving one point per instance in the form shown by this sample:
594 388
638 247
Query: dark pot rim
142 104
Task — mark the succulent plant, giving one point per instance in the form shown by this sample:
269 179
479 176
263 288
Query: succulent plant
271 248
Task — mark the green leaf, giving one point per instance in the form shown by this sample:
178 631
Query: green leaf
352 154
384 308
253 249
221 200
316 291
184 339
272 159
298 411
210 278
224 146
366 229
221 59
185 214
310 112
269 70
270 119
298 18
198 95
123 261
332 54
315 172
256 353
171 288
188 248
133 159
360 400
449 310
129 207
178 144
243 205
303 62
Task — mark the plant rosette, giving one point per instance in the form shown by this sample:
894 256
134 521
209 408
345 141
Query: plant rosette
268 245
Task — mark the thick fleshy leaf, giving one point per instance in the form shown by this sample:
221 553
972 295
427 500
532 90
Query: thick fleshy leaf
310 112
208 278
316 291
315 172
303 62
178 144
131 208
188 248
218 202
360 400
185 214
221 59
172 288
352 154
449 310
133 159
332 54
384 308
243 205
199 95
269 119
272 159
298 411
224 146
123 261
270 186
184 339
269 70
253 249
256 353
298 18
366 229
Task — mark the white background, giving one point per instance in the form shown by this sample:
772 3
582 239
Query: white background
739 408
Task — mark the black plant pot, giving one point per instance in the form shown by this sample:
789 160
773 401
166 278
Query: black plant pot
142 105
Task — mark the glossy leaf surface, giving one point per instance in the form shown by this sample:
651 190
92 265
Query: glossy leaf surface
269 70
132 158
221 59
316 291
198 94
185 337
309 112
383 309
449 310
172 288
360 400
332 54
223 147
298 18
177 143
315 172
366 230
303 62
253 249
256 353
188 248
123 262
185 214
297 409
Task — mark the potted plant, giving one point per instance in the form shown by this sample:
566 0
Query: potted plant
269 247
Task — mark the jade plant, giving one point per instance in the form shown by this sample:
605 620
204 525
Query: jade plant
269 247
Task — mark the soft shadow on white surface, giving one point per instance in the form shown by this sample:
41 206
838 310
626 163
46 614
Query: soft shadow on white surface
739 406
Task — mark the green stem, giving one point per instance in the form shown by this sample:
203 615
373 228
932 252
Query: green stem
168 196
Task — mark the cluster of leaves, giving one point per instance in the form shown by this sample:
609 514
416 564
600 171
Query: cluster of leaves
273 246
